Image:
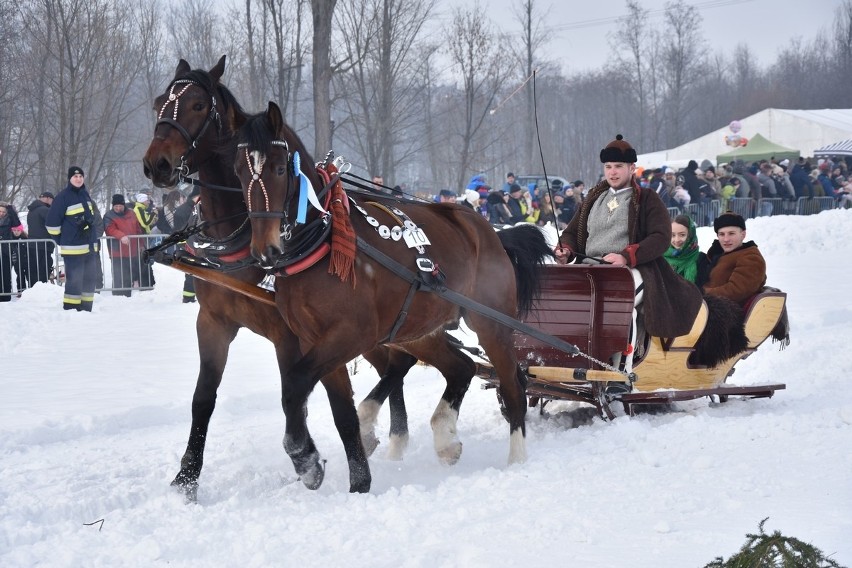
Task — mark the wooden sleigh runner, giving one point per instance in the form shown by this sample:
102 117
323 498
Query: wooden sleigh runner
591 307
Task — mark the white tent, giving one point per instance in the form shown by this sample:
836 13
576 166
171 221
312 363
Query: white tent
803 130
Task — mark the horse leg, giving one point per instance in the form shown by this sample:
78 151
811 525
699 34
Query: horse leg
297 440
496 341
214 338
339 390
458 370
392 365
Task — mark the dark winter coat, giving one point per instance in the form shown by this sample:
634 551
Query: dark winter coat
698 189
72 221
36 227
671 303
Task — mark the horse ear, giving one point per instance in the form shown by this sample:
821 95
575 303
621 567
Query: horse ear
182 68
273 113
218 69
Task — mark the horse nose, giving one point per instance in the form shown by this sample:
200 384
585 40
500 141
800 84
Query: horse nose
267 256
161 167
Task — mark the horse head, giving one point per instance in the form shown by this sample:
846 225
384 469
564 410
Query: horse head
196 117
277 176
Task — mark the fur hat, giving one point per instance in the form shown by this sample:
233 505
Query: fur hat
728 219
619 150
118 199
472 197
74 170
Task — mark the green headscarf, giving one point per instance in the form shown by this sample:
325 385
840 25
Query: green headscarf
684 261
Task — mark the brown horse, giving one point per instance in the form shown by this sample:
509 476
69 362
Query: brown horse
336 318
196 102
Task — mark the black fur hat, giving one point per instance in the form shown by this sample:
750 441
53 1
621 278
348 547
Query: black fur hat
619 150
728 219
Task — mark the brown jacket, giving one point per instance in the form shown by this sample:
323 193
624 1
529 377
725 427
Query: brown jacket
737 275
671 303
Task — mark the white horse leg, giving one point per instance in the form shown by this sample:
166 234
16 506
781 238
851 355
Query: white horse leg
517 447
448 447
397 445
368 412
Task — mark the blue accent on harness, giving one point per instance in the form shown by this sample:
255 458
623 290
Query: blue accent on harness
302 211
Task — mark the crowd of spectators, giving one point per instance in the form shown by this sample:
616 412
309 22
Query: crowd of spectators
28 251
695 184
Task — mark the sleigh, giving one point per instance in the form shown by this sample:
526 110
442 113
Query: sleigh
591 307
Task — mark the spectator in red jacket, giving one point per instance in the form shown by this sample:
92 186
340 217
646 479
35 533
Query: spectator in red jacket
121 223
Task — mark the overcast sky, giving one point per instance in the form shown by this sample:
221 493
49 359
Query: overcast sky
579 30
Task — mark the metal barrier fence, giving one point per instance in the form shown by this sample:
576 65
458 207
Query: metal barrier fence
23 262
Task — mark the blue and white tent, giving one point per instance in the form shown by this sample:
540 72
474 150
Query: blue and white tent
842 148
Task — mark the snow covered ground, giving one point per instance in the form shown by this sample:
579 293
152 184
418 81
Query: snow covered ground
95 411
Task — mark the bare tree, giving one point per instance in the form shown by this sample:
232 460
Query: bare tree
633 52
87 61
381 90
323 12
478 63
683 58
533 36
196 30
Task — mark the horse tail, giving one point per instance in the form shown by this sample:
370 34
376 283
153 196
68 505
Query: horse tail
527 249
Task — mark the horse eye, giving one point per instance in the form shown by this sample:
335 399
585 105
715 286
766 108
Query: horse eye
281 170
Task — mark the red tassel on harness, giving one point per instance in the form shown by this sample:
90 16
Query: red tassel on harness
343 246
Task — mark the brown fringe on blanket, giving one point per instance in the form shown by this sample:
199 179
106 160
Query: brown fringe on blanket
343 247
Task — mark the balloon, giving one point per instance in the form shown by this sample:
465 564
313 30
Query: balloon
743 141
733 140
735 126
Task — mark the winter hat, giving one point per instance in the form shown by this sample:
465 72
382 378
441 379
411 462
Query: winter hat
74 170
728 219
619 150
692 165
785 162
514 188
446 193
118 199
47 194
18 228
471 196
142 198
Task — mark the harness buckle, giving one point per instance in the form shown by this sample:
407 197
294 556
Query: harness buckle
426 264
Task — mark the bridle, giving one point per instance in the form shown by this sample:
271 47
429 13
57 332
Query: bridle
255 160
212 116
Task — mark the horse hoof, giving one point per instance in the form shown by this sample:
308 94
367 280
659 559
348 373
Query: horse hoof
370 443
188 488
450 454
362 486
314 476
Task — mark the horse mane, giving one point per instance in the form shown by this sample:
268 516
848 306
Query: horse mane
258 133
